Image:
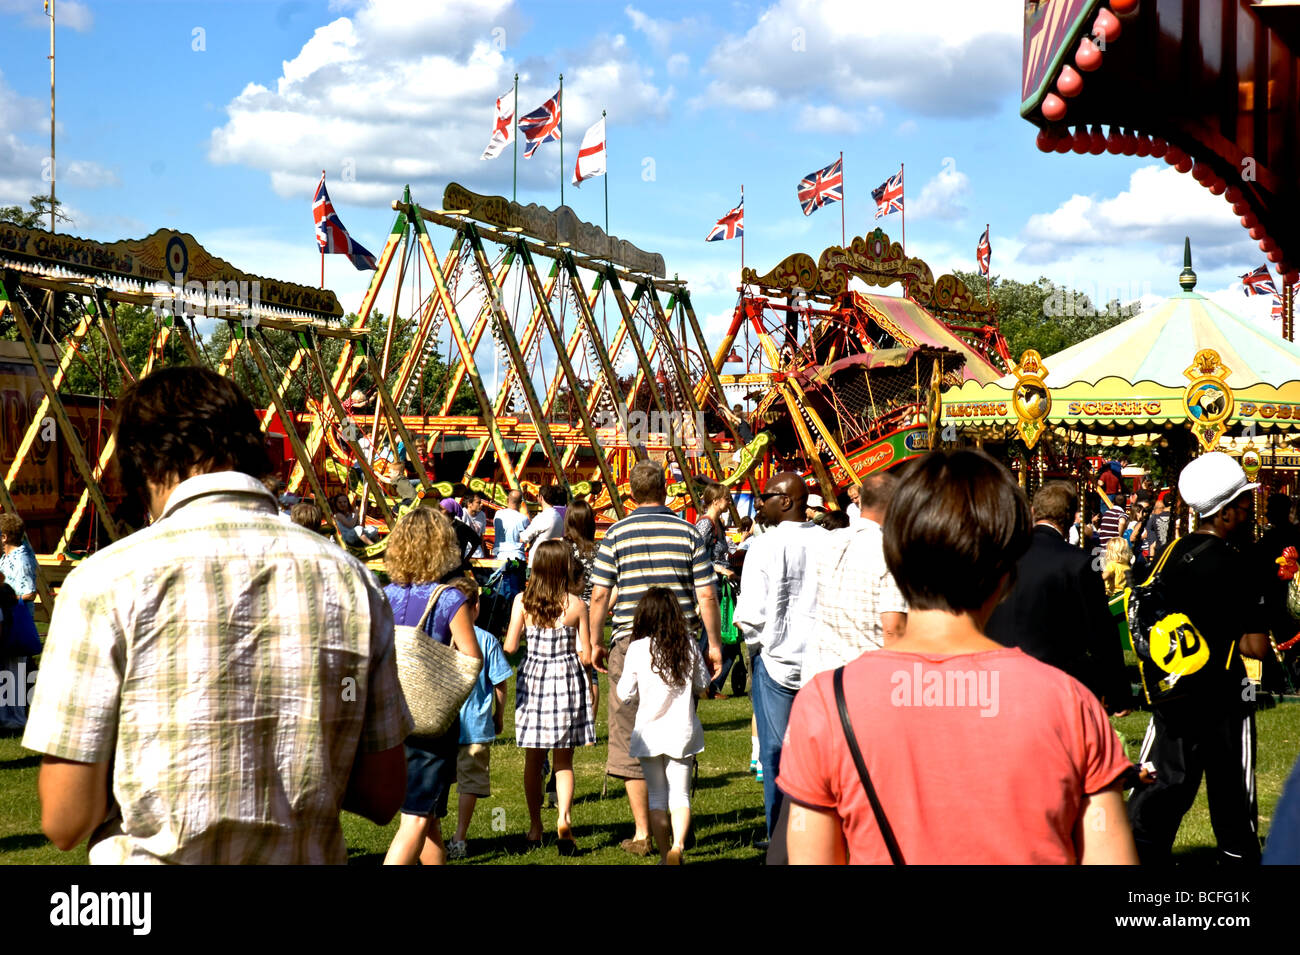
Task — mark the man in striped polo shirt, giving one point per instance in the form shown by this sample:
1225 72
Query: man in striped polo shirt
651 547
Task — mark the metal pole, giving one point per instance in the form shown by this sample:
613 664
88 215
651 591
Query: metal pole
514 134
602 116
559 107
50 7
843 199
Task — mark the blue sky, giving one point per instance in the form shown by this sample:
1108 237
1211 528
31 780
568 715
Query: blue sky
216 118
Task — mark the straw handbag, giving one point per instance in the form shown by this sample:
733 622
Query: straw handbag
436 679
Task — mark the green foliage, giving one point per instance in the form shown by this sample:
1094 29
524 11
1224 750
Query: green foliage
37 217
1045 316
97 373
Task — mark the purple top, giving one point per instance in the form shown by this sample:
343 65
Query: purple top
409 603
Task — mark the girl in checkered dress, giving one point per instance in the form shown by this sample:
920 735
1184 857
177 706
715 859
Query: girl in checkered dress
552 709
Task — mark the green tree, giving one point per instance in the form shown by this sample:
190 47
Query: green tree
1045 316
35 218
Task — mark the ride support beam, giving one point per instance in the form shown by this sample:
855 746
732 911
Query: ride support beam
566 366
467 353
516 356
611 276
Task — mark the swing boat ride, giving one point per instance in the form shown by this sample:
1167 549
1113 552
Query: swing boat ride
843 380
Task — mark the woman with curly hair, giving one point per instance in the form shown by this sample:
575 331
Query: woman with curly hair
423 560
665 671
551 705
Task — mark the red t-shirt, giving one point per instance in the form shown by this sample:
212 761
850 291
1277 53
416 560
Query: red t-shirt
1109 483
979 758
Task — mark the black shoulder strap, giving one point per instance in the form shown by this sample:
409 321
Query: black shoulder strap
887 833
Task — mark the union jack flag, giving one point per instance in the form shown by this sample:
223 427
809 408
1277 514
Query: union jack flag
1275 311
1258 282
984 252
821 187
542 125
730 226
889 195
330 234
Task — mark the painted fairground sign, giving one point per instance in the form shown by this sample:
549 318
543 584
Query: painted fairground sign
167 256
1048 25
893 449
35 488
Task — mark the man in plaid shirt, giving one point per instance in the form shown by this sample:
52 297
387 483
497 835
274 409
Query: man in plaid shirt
218 685
859 607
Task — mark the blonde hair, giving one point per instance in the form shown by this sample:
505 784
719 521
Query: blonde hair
1116 574
422 548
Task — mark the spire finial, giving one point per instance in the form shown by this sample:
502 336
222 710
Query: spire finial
1187 278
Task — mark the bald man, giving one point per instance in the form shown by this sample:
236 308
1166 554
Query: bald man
775 611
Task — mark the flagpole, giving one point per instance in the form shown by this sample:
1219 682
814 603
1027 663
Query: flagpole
843 199
903 182
322 251
988 276
606 144
559 105
742 243
514 186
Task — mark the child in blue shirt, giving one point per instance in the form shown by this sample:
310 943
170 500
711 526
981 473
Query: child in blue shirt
480 723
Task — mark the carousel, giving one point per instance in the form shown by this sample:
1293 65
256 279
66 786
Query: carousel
1187 376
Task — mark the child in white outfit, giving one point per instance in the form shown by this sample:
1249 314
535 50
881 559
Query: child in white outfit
665 671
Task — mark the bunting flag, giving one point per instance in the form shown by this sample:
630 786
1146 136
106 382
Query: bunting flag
503 128
330 234
591 155
1258 282
889 195
730 226
542 125
984 252
822 187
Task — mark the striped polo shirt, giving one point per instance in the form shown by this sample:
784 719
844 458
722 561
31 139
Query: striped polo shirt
651 547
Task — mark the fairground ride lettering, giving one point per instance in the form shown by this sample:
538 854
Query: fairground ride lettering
1114 407
975 410
1248 409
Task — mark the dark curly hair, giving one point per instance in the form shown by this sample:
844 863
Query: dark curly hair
671 650
186 420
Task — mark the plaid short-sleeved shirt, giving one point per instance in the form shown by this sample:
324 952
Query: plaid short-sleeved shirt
231 665
651 547
854 587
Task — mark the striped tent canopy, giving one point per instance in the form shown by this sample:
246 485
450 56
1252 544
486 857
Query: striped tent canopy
913 327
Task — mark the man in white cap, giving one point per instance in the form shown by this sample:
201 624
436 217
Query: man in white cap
1210 729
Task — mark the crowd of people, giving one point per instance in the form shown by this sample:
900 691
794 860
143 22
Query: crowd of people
932 666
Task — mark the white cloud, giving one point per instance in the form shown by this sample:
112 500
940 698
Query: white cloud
906 128
938 58
941 197
23 162
834 119
67 13
662 34
400 93
678 65
1161 206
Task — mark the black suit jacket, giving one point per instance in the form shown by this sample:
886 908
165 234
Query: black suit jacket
1057 612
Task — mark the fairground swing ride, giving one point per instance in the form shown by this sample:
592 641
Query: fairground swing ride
582 357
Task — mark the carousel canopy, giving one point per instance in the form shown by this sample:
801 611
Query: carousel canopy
1187 361
1157 345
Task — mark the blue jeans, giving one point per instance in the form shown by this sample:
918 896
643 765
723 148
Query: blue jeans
772 703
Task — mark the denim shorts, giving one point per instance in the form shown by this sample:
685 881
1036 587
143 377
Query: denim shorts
430 771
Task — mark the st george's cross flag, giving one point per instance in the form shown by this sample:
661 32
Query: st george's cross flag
984 252
730 226
1258 282
330 234
591 154
503 127
821 187
889 195
542 125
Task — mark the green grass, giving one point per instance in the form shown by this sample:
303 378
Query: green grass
728 802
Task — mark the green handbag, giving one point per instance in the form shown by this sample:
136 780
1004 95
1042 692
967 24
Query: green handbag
727 604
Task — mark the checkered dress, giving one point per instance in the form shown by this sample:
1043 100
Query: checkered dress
552 694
